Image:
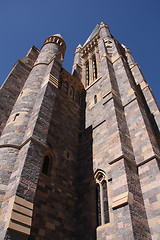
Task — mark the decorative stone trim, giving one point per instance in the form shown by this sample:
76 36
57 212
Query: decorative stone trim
122 199
143 85
93 83
89 46
21 217
24 143
53 80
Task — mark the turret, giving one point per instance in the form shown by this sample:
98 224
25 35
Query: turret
24 128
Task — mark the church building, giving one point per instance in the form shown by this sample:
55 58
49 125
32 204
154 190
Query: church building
80 152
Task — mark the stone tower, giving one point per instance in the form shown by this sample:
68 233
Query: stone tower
79 153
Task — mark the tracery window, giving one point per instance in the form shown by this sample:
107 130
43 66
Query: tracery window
102 199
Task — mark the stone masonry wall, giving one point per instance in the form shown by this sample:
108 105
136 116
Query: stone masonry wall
54 213
14 83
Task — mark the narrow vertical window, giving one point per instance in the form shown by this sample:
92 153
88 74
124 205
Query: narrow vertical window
102 199
71 93
46 165
94 68
60 83
105 202
16 117
87 73
80 138
95 99
98 205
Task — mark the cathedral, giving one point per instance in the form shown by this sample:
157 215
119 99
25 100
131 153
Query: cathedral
80 152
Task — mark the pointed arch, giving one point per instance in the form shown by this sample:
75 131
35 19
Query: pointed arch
102 203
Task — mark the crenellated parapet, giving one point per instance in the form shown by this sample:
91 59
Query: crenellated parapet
56 39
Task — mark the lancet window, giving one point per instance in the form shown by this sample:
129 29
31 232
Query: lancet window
102 199
94 63
95 99
46 165
87 73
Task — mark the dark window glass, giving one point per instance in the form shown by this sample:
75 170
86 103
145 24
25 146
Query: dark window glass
80 138
16 117
94 68
45 167
98 205
72 93
95 99
105 202
60 83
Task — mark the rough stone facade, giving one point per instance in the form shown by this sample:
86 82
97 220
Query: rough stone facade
80 153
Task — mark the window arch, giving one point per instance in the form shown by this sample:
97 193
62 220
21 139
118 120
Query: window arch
102 205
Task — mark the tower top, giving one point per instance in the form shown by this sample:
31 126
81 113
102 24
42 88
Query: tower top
94 32
56 39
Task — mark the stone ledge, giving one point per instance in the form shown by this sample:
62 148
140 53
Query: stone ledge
21 217
122 199
19 228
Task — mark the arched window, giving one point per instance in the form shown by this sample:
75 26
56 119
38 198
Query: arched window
71 92
102 199
46 165
95 99
94 68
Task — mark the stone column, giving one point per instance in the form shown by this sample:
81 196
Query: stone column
145 90
97 61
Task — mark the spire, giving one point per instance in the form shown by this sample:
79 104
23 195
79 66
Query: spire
94 32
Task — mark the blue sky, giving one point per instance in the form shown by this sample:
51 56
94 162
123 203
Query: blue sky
133 23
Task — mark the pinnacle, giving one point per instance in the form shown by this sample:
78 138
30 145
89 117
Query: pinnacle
79 46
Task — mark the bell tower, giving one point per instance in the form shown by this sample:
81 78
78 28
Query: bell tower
120 142
80 152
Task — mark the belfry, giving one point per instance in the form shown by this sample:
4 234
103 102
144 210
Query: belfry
80 152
